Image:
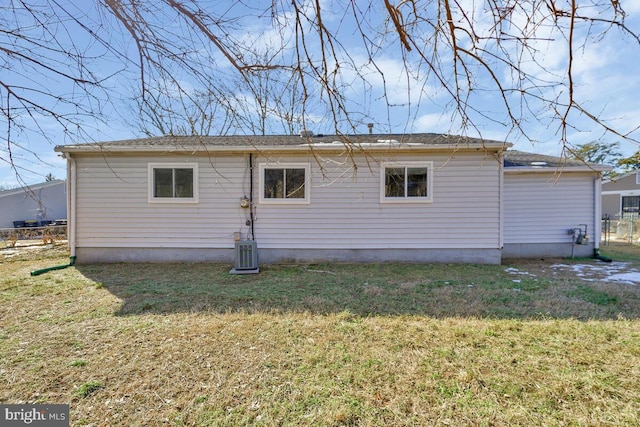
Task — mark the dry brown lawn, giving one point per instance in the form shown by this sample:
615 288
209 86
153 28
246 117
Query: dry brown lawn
527 343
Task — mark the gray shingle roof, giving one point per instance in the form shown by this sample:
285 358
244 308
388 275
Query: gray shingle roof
523 159
240 141
513 159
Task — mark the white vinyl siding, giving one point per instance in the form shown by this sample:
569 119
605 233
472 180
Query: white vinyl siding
541 208
344 211
113 208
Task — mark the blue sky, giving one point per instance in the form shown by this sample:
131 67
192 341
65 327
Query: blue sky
605 73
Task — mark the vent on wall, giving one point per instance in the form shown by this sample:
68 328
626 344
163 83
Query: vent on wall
246 257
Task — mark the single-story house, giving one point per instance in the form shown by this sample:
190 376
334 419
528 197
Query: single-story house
314 198
33 204
621 196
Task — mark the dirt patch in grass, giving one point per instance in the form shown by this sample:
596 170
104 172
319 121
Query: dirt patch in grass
404 345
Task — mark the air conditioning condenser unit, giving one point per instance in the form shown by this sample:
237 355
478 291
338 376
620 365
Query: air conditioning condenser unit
246 258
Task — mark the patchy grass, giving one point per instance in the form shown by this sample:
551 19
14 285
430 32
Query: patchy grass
88 388
190 345
526 290
593 296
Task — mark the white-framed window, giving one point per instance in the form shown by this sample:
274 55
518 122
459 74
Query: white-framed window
406 182
286 183
173 182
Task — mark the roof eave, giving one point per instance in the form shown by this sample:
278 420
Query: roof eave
328 147
558 169
32 187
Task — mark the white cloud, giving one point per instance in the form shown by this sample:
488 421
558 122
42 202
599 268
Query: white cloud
631 7
433 123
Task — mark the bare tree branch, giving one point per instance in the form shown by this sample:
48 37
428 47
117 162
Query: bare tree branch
193 66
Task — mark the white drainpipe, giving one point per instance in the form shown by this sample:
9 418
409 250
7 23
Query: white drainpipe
71 203
597 204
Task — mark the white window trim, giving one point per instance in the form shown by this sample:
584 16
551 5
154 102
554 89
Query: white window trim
150 175
284 201
408 164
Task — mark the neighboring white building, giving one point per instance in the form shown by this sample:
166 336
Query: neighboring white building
415 198
39 202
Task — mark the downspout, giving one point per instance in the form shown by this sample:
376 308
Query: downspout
501 202
71 220
597 223
71 204
72 262
251 216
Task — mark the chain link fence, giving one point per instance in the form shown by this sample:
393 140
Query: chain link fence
621 231
10 237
